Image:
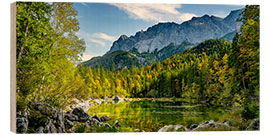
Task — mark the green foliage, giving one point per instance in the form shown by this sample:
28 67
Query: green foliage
187 74
47 51
114 61
80 128
245 55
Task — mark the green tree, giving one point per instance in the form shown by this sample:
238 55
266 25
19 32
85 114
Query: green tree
47 51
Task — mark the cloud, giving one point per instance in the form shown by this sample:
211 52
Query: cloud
187 16
154 12
221 14
88 56
83 34
97 38
84 4
104 36
97 42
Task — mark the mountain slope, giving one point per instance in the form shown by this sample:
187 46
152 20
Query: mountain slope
229 36
161 35
120 59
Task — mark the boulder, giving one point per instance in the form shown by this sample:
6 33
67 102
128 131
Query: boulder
45 109
60 120
50 127
108 125
21 125
93 122
211 123
254 125
97 118
180 128
82 116
105 118
116 124
193 126
68 124
54 112
96 101
165 128
172 128
40 130
71 117
117 99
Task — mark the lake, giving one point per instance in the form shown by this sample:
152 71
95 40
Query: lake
150 116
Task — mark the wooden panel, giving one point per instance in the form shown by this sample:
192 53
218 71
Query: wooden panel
13 67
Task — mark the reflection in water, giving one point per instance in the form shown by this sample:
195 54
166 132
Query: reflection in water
151 116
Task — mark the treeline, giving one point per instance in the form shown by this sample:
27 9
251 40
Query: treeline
189 74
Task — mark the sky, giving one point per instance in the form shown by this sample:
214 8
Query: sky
103 23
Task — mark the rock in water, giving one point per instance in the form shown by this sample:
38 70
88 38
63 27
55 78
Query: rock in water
93 122
165 128
22 125
193 126
83 116
96 101
117 99
116 124
97 118
254 125
173 128
105 118
211 123
108 125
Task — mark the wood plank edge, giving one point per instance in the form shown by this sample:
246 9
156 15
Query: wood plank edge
13 67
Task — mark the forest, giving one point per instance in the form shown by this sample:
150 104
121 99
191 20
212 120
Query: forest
49 67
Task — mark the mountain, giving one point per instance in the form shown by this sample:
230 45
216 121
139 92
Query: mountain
120 59
161 35
171 49
163 40
229 36
126 59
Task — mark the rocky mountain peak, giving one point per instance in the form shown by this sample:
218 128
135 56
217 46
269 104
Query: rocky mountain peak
123 37
161 35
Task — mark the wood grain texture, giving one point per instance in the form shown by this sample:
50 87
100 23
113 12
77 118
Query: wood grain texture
13 67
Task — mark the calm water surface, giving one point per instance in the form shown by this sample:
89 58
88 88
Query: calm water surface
150 116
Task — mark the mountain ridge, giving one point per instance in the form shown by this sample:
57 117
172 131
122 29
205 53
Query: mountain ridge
160 35
162 40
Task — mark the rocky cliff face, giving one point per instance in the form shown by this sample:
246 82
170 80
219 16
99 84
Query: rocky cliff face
161 35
